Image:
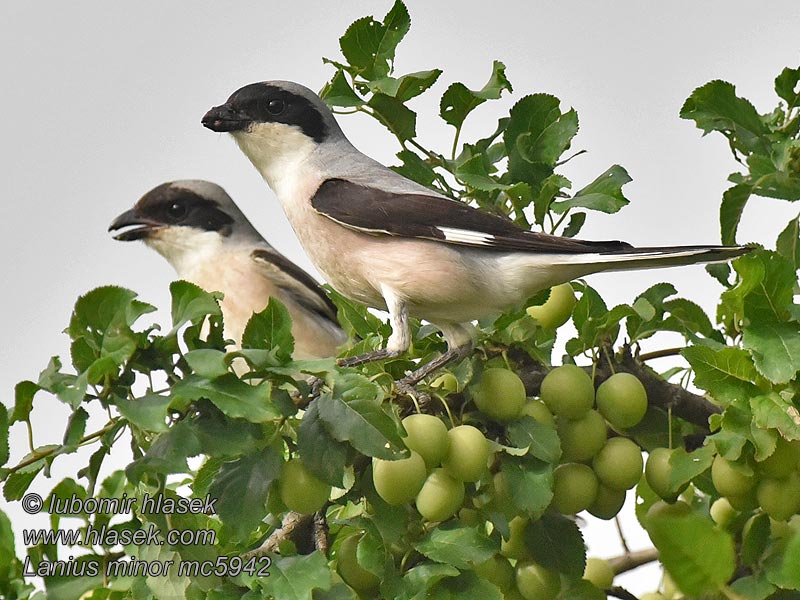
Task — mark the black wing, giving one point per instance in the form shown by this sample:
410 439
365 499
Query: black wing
295 282
376 211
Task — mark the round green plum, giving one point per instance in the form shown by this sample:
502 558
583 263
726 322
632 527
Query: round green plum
557 308
354 575
535 582
574 488
622 400
619 464
467 453
583 437
427 436
399 481
499 394
440 497
300 490
567 391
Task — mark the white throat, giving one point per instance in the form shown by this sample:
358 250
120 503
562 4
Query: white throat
186 249
278 151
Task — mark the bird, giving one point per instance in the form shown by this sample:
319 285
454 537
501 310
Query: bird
196 226
390 243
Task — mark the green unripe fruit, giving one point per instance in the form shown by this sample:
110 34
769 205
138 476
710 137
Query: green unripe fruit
567 391
583 437
539 411
780 498
731 479
426 435
440 497
300 490
398 481
608 503
619 464
622 400
557 308
353 573
496 570
745 502
535 582
574 488
500 394
782 461
657 472
514 547
446 382
722 512
599 572
467 453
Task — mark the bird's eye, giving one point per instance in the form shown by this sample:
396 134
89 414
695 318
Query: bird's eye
176 210
275 107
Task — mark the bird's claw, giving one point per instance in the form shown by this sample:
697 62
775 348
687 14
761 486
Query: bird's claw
408 388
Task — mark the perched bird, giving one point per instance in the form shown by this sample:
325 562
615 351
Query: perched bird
390 243
201 232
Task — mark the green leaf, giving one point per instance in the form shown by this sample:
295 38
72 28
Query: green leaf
67 587
271 329
67 388
406 87
167 454
24 392
773 411
466 585
191 303
730 211
458 100
715 107
296 577
553 140
530 483
788 243
604 194
231 395
727 374
361 421
683 543
755 539
355 318
320 452
475 173
76 427
394 115
575 224
207 362
4 449
785 573
555 542
786 87
541 440
461 547
415 168
241 489
149 412
18 482
688 465
775 348
370 45
338 92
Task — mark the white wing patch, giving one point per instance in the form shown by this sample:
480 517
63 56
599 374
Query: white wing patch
465 236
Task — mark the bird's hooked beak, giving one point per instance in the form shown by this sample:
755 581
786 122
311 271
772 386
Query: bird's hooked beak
139 227
223 118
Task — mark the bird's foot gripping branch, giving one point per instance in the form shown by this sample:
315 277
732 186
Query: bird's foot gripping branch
475 495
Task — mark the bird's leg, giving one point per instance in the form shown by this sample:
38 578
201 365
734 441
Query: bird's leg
452 354
397 343
366 357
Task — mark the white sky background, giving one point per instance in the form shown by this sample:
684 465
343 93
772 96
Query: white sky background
102 101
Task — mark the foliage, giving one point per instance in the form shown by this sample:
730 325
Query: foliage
212 422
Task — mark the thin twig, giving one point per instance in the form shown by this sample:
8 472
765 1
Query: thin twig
659 353
631 560
622 539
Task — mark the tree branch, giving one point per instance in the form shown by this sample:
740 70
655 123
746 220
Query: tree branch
620 592
631 560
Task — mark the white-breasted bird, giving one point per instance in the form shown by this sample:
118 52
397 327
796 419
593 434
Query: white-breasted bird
390 243
204 235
